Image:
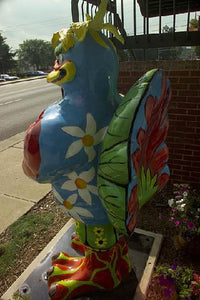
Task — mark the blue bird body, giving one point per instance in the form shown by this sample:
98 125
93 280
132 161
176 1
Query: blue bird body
89 100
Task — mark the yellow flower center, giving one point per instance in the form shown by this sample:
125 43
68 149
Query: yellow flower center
80 183
88 140
67 204
98 231
101 242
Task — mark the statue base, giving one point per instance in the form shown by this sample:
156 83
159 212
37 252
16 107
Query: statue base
143 250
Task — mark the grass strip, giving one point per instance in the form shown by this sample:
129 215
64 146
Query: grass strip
20 232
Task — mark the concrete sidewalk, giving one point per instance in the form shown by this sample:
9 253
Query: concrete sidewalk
18 193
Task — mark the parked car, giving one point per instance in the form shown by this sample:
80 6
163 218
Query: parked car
9 77
2 79
37 73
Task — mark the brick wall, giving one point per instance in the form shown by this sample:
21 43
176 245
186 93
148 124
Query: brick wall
184 114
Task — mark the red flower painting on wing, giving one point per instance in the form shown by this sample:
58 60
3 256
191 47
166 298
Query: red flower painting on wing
150 158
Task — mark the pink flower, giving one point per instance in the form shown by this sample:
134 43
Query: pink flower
185 221
196 277
191 225
176 223
171 219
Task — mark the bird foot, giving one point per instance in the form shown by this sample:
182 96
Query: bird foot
77 245
95 271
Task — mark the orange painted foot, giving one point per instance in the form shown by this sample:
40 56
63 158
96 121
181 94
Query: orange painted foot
96 270
77 245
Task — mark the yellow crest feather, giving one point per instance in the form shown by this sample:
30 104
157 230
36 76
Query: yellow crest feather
79 30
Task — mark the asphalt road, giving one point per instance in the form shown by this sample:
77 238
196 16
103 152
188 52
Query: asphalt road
21 103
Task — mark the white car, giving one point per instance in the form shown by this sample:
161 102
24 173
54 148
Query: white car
8 77
2 79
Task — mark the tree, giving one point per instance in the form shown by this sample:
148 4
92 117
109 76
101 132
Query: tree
36 53
167 29
194 27
6 56
194 23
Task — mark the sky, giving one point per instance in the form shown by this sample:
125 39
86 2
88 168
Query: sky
39 19
32 19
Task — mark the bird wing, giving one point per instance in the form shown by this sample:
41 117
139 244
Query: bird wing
133 161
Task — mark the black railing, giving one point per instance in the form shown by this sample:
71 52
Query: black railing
147 24
83 7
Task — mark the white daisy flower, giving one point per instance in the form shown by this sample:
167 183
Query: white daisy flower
185 194
87 139
74 211
180 201
80 183
181 207
170 202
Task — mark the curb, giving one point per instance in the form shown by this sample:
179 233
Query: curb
11 141
21 80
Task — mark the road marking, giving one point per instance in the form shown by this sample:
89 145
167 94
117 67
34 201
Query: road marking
9 102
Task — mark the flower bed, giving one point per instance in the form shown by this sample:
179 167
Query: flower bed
174 283
180 282
185 217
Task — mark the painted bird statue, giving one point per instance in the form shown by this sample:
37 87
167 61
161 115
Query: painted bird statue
104 154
